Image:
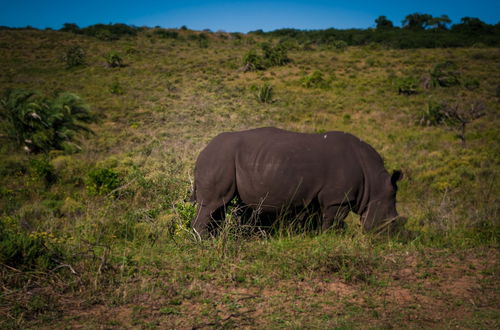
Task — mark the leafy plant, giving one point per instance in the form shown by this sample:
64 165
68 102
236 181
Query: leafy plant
39 123
74 56
455 115
275 56
109 32
114 60
338 45
252 61
271 56
25 251
167 34
433 115
70 27
406 85
102 181
445 74
471 83
203 40
42 170
116 88
315 80
263 93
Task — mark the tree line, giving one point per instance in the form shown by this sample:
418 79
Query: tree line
417 31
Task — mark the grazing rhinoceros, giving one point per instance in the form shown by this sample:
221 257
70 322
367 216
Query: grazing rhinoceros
271 169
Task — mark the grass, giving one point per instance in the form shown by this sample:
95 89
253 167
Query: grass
128 258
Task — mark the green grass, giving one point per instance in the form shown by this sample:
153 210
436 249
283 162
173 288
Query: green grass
126 255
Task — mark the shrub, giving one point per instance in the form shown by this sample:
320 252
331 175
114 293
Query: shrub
460 114
455 115
406 85
275 56
114 60
26 251
272 56
74 56
338 45
102 181
116 88
203 40
70 27
167 34
109 32
252 61
39 123
433 115
445 74
471 83
263 93
315 80
41 169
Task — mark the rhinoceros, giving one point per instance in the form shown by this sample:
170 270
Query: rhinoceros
271 169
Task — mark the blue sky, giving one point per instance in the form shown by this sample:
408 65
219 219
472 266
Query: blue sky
237 16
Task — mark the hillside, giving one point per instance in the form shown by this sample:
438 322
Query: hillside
97 235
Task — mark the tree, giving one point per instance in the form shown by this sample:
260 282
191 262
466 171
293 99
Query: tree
459 115
70 27
383 23
439 23
41 124
417 21
471 25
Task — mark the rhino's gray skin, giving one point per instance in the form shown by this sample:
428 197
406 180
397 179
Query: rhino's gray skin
270 169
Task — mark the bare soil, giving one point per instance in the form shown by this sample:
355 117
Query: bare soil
430 289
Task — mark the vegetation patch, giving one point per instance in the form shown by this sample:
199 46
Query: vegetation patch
95 229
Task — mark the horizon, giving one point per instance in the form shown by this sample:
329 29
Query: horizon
239 16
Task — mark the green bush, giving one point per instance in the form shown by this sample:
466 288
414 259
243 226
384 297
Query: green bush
74 56
167 34
109 32
338 45
433 115
102 181
315 80
25 251
116 88
263 93
70 27
252 61
271 56
471 83
41 124
114 60
203 40
275 56
445 74
42 170
406 85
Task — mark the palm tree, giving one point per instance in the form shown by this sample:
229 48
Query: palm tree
39 124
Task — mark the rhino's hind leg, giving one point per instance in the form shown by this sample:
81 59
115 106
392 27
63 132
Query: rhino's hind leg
208 220
333 216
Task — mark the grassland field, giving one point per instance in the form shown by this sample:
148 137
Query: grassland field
126 258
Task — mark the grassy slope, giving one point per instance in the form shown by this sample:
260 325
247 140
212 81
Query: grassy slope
132 271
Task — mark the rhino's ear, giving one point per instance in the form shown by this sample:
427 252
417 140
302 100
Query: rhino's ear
396 176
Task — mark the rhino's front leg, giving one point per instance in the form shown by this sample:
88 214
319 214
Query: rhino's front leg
208 220
333 217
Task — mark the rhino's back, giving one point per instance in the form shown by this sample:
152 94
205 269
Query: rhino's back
276 167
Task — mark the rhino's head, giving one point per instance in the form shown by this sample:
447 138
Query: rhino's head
381 209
